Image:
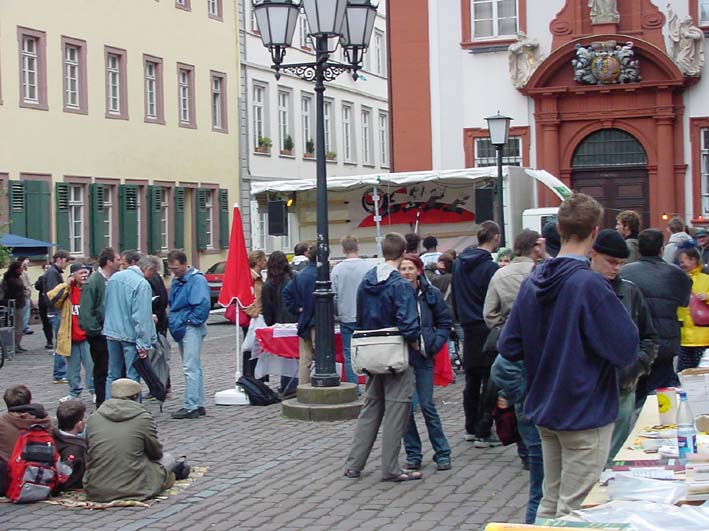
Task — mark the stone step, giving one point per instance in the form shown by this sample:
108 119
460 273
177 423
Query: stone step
342 394
294 409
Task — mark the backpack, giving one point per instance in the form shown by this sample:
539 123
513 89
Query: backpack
258 392
34 469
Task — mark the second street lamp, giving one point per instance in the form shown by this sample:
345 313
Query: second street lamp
499 127
352 23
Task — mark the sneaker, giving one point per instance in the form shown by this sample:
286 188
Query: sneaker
184 414
28 332
487 442
413 465
202 412
443 464
49 346
470 437
20 349
61 381
67 398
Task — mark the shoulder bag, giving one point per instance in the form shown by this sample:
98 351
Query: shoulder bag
382 351
699 311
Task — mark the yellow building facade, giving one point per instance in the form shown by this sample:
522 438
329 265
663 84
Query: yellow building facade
119 124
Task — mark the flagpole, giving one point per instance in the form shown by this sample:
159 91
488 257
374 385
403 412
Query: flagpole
239 357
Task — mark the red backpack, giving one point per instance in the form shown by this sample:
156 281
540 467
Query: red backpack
34 469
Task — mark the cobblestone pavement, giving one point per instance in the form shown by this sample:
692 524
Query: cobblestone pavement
269 473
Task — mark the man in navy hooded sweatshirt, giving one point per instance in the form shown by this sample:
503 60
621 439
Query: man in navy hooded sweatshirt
573 333
472 272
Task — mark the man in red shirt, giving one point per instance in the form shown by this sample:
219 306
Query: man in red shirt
71 339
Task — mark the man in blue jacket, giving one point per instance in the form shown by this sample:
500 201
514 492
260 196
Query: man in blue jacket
386 300
299 299
187 320
472 272
573 333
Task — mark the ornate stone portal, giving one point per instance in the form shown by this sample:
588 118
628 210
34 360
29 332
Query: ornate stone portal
605 63
604 11
686 44
524 58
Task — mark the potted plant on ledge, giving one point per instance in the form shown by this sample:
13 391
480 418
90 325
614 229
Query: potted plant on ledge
264 145
288 146
309 149
331 155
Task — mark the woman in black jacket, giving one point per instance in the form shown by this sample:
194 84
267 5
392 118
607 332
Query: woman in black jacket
14 288
435 327
278 274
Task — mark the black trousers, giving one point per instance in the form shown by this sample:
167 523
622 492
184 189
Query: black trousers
478 417
99 355
46 325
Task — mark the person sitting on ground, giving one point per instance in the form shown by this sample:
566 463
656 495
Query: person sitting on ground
628 226
431 255
70 439
21 414
125 457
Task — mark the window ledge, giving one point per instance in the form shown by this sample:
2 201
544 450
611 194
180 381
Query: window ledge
369 165
73 110
331 161
488 45
41 106
350 163
262 153
305 157
222 130
190 125
158 121
211 251
218 18
112 116
286 156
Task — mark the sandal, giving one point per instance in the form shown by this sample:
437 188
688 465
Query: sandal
405 476
352 473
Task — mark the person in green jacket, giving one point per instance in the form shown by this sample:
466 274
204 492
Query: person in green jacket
91 314
125 457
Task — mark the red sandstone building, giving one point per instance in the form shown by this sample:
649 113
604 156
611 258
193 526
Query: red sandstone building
628 122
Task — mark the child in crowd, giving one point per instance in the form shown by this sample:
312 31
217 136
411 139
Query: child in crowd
71 440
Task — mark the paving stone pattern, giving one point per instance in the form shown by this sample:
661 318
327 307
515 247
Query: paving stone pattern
269 473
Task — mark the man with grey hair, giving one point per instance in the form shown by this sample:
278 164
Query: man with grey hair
128 324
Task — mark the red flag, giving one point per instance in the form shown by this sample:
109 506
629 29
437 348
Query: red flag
237 283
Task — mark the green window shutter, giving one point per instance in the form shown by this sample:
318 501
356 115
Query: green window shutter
61 196
97 215
128 224
37 202
202 198
154 225
179 217
223 218
17 205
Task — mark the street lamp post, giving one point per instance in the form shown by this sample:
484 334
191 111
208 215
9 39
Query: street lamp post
349 22
499 127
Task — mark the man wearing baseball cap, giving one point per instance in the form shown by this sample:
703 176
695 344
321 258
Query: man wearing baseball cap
52 278
609 253
702 237
71 339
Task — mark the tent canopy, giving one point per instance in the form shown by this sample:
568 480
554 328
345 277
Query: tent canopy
25 246
407 178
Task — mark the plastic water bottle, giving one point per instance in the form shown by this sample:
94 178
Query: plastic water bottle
686 434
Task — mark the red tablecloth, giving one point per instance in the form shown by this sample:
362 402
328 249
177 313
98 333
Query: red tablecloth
287 347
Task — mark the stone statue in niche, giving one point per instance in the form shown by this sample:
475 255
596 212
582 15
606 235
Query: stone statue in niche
686 43
524 58
604 11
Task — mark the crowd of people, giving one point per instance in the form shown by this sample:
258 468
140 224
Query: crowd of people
567 332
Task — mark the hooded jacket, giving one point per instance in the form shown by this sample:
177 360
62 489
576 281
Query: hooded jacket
189 302
72 450
503 288
20 418
573 333
472 271
436 322
123 453
298 298
672 246
693 335
386 300
633 300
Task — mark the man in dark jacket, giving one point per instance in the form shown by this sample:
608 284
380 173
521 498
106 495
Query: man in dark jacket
298 298
573 334
665 287
386 300
472 272
91 314
609 252
52 278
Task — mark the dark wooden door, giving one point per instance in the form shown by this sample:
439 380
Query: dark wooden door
616 189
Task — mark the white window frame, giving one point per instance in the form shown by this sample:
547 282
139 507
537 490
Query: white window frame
76 219
483 162
184 96
704 168
347 129
164 219
306 113
384 139
305 40
703 6
327 118
139 214
72 76
113 67
30 69
366 128
259 107
379 53
217 102
151 90
209 207
284 114
108 215
213 8
495 19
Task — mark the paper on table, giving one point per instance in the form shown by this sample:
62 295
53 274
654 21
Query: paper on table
645 472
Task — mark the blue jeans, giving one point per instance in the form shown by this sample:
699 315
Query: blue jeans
59 370
423 394
346 329
190 350
624 423
533 442
80 355
121 355
26 310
